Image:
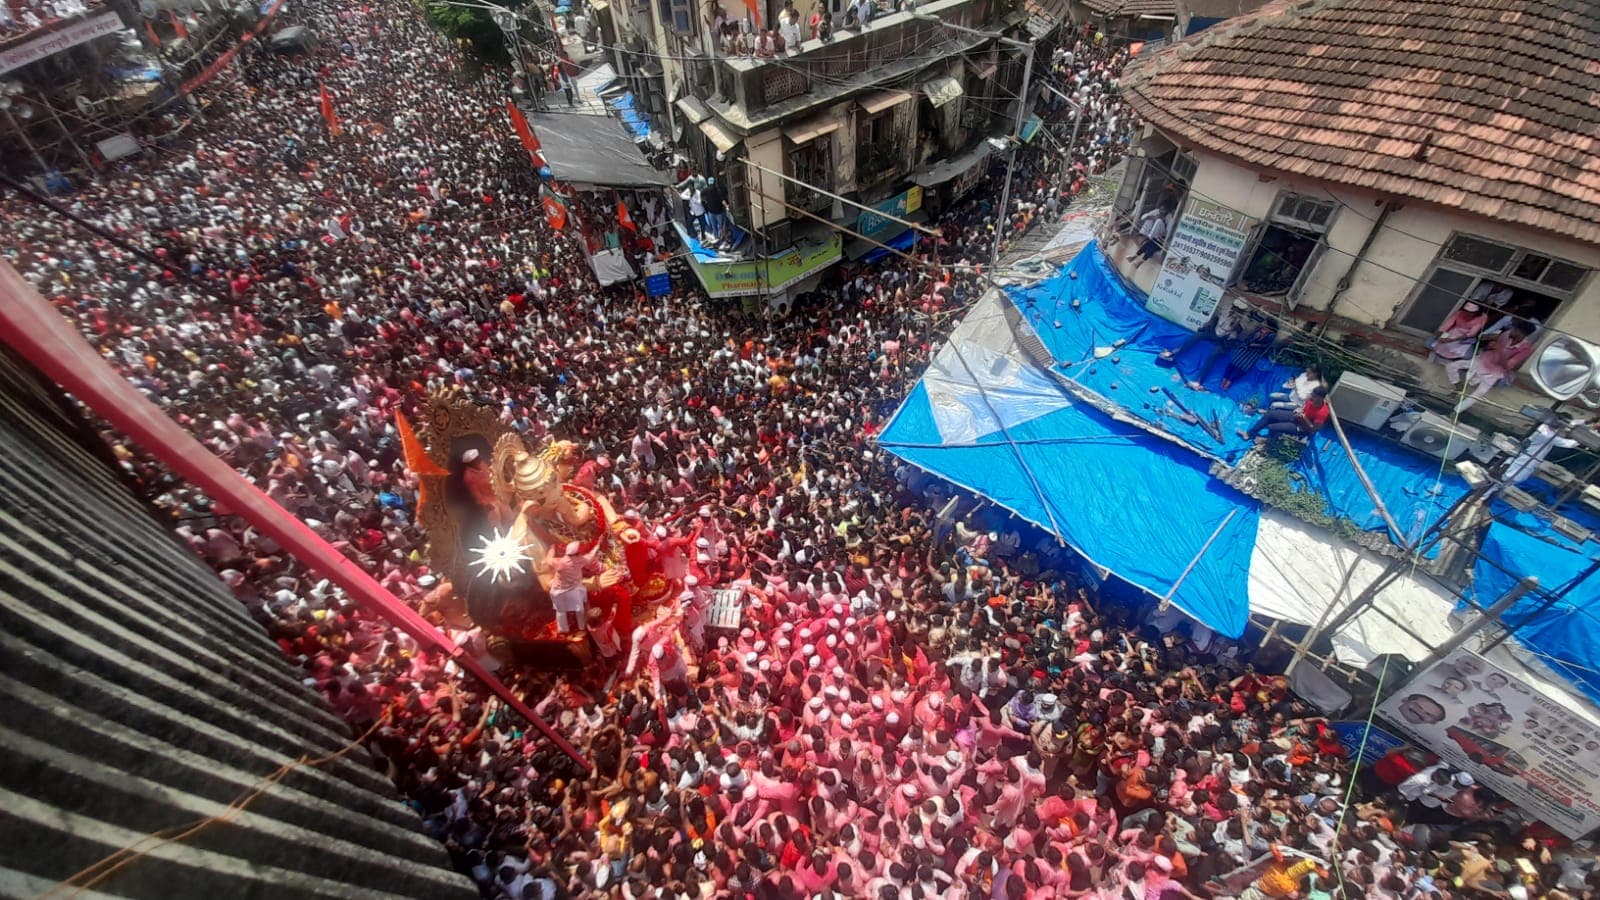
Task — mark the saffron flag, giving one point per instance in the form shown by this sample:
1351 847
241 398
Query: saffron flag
328 115
519 124
177 25
755 10
555 211
623 219
417 459
150 31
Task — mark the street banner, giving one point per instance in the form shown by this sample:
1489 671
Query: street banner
1200 258
61 39
1511 736
1365 743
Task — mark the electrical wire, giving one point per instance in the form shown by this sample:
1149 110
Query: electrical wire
1412 279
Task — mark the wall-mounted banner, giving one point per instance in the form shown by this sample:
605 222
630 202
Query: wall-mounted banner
1525 746
56 41
1200 258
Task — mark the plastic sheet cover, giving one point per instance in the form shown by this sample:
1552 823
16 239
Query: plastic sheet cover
1565 633
1130 502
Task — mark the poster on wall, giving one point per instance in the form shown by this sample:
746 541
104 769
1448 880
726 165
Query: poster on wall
1200 258
1525 746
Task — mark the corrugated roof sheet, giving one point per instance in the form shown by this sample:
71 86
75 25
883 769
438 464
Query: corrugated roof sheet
139 695
1491 107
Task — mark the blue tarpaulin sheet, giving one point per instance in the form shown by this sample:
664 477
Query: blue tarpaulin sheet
1107 488
902 241
636 119
1565 634
1414 487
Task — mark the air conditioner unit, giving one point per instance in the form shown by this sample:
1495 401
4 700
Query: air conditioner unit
1368 402
1435 435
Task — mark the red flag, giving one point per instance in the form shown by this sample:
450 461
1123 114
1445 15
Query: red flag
555 211
519 124
624 219
150 31
177 25
328 115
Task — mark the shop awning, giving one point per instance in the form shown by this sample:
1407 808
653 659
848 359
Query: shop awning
862 248
592 150
882 100
693 110
718 135
940 91
944 170
810 131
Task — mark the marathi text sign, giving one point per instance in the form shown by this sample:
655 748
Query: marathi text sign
63 38
1201 255
1509 735
754 276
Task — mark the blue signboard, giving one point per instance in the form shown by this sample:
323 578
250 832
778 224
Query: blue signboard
1378 743
657 281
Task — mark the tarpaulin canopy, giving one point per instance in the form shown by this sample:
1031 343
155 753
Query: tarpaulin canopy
1087 307
1019 408
987 418
592 150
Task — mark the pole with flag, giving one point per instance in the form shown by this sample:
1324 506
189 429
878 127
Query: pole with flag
519 124
623 218
328 114
177 25
555 209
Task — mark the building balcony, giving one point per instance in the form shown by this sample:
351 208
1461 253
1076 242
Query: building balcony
756 92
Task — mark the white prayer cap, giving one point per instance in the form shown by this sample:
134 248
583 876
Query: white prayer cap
471 456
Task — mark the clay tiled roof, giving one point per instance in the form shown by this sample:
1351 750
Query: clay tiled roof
1115 8
1491 107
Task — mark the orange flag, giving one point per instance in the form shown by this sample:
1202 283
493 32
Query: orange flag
177 25
328 115
519 124
150 31
625 220
755 10
417 459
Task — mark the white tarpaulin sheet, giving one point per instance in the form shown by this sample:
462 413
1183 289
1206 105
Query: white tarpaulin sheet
1010 392
611 267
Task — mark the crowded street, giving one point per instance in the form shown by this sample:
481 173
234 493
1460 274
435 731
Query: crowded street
923 696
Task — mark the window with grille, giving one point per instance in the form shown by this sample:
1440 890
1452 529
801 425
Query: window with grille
812 163
1183 168
1539 284
1306 213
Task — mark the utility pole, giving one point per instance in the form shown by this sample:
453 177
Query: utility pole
1492 614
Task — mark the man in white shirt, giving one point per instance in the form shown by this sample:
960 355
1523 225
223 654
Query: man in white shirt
1153 227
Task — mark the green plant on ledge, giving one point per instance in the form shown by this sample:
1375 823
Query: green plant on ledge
1283 488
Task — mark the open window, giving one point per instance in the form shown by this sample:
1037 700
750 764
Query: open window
1525 284
811 161
1151 181
1287 247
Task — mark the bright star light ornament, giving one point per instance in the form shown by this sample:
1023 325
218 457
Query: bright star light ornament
500 556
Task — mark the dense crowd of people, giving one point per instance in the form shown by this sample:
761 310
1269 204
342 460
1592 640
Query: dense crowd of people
915 703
